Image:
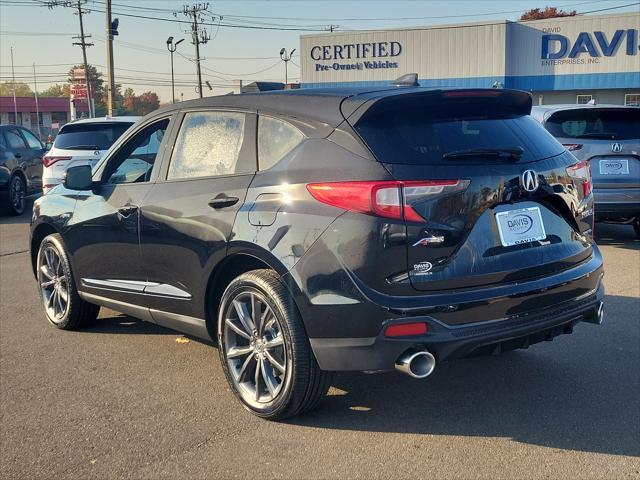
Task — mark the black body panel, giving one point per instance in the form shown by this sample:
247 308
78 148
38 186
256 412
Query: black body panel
162 248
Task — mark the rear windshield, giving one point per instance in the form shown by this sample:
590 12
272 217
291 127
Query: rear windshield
90 136
425 131
611 124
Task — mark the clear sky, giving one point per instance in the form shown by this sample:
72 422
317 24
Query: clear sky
43 35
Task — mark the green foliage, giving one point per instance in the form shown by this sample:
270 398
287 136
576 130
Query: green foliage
22 89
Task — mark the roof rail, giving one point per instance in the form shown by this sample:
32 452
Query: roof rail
408 80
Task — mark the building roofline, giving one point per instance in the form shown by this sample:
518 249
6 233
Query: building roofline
471 24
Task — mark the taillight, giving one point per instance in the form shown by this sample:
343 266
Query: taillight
581 171
390 199
47 160
572 146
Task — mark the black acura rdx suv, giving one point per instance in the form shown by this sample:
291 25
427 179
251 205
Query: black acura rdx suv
320 230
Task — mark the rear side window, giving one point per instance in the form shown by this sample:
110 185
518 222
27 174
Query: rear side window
422 130
14 139
275 139
605 124
90 136
209 144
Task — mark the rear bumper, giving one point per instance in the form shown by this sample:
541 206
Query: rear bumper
616 202
446 341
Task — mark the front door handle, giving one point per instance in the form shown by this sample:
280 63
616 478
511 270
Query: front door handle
222 201
127 210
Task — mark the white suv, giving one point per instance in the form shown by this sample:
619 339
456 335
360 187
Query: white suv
82 142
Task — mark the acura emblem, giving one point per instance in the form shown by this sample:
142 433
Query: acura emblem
529 180
616 148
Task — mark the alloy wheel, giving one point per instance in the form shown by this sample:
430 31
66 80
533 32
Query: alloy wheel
254 347
17 194
54 285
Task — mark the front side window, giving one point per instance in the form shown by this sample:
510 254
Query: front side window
209 144
275 139
134 161
32 141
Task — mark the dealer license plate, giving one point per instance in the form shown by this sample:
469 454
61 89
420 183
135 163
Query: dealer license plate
520 226
614 167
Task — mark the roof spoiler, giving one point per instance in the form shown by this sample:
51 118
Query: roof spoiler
408 80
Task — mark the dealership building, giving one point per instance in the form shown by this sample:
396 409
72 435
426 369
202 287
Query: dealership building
561 60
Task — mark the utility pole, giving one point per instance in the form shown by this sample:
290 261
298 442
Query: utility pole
35 92
198 34
13 79
83 43
112 29
77 4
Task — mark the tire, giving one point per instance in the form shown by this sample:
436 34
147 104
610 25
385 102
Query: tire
16 193
275 354
55 281
636 226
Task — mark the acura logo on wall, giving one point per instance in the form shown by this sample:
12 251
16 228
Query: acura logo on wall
616 148
529 181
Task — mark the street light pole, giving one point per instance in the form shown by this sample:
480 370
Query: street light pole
286 58
172 47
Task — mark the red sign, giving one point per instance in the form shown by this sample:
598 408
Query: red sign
79 90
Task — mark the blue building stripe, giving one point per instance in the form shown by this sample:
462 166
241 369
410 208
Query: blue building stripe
587 81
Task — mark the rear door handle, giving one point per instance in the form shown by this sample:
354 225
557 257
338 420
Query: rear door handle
127 210
222 201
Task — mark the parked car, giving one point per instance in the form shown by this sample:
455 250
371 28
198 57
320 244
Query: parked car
82 142
20 167
318 230
607 137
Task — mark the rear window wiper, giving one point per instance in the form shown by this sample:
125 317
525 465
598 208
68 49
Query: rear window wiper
507 152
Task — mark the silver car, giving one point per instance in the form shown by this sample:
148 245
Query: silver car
608 138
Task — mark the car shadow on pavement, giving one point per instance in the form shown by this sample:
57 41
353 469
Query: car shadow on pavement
617 235
125 325
20 219
120 324
578 393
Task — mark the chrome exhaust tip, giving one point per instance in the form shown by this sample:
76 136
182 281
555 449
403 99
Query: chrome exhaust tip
600 313
597 316
416 363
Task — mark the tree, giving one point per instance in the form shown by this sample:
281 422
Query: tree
56 90
22 89
548 12
140 105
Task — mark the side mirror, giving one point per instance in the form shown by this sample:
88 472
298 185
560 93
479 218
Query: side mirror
78 178
48 145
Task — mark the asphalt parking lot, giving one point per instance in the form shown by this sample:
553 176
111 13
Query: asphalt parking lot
123 399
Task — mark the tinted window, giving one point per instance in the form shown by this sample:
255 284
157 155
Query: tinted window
32 141
275 139
90 136
421 131
14 140
134 161
611 124
208 144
